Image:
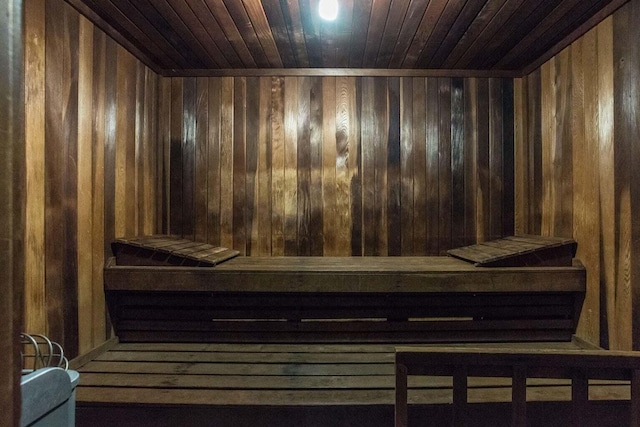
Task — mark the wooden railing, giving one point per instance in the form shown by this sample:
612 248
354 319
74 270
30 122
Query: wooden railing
459 363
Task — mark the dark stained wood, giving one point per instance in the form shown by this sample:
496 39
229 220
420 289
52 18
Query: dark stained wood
518 250
431 175
213 161
340 299
445 134
188 150
170 35
406 166
252 147
316 138
496 160
175 159
303 166
239 189
12 198
420 144
61 132
201 159
458 143
470 153
350 383
579 366
394 205
625 131
167 250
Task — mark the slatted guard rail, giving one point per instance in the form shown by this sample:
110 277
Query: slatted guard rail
578 365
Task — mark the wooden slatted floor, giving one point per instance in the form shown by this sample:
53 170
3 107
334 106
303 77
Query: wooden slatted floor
302 385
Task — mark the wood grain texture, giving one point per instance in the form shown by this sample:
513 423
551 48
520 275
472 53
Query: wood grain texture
94 173
35 292
588 164
98 321
13 42
84 221
353 166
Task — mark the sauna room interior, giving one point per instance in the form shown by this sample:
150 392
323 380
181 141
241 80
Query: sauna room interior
386 137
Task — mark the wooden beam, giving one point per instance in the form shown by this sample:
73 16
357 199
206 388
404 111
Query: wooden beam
338 72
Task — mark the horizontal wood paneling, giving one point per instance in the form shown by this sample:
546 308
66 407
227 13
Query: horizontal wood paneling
91 119
340 165
576 153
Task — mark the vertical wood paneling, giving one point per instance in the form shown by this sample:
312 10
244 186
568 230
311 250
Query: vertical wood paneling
213 190
346 161
252 129
163 201
470 158
35 318
331 217
239 165
188 149
406 165
427 168
304 166
315 187
368 167
61 133
12 199
508 185
92 116
98 323
290 165
350 166
496 145
176 201
581 108
125 154
277 166
201 192
605 126
420 145
457 164
626 136
226 163
263 188
586 209
445 133
85 185
483 193
394 207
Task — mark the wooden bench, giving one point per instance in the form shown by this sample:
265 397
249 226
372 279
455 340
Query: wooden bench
327 299
461 363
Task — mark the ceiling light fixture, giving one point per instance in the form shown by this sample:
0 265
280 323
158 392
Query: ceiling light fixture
328 9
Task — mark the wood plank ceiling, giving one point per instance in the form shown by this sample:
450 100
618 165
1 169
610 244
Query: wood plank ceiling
175 36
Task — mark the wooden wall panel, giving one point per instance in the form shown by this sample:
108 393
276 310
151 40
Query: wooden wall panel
35 292
12 198
342 165
91 168
576 155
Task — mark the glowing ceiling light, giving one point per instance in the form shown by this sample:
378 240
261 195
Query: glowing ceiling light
328 9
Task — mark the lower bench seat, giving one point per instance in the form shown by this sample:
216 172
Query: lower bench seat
349 299
286 385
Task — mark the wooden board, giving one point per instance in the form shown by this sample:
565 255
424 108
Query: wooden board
343 299
168 250
278 384
519 251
